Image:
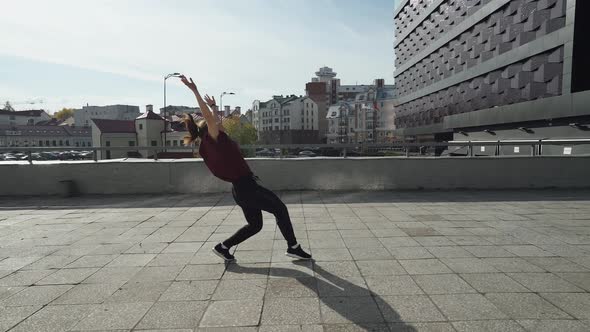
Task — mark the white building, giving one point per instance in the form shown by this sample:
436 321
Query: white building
150 129
287 120
23 118
340 128
115 133
366 118
147 130
286 113
44 136
179 110
82 117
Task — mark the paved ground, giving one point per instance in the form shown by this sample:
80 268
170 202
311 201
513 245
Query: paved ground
413 261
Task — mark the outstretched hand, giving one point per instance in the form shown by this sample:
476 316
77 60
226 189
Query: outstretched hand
190 84
210 101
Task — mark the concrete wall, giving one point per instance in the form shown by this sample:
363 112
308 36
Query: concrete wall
116 140
192 176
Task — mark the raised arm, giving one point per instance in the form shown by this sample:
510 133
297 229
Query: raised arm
211 118
214 108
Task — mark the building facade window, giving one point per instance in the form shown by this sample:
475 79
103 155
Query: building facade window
54 143
131 143
154 143
140 126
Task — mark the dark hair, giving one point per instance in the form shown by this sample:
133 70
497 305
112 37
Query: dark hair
196 130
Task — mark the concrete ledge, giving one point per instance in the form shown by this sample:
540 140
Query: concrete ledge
568 105
192 176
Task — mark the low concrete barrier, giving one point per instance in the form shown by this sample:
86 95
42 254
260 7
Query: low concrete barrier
192 176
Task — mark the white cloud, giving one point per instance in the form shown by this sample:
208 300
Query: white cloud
246 46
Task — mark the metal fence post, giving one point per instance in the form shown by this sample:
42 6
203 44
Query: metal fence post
95 154
30 157
407 152
155 154
470 147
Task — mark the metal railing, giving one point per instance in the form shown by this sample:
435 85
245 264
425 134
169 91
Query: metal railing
456 149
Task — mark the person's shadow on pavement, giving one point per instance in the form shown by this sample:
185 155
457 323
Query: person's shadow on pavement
356 304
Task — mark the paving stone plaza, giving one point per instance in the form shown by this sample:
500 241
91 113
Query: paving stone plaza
384 261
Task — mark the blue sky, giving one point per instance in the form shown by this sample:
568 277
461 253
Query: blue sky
68 53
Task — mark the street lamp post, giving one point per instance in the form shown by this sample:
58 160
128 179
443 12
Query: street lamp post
221 99
165 108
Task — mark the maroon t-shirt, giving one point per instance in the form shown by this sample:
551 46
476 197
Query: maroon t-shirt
223 157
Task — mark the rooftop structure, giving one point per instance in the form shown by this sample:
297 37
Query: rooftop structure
23 118
83 117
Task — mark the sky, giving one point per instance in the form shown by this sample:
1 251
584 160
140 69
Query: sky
70 53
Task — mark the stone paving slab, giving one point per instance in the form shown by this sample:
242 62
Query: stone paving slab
385 261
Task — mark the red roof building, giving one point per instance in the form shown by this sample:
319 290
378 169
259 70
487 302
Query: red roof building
115 126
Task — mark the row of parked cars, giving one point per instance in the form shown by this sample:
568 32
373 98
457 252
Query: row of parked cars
288 154
47 155
306 153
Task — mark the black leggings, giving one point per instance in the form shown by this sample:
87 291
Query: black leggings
253 199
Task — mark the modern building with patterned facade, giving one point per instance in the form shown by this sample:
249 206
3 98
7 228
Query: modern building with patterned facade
491 69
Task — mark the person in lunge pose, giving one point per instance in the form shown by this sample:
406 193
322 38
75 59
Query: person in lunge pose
223 157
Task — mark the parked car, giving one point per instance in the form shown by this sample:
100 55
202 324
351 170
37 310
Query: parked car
307 153
49 155
266 153
86 154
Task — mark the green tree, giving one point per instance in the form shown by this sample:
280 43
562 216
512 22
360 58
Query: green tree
244 134
64 113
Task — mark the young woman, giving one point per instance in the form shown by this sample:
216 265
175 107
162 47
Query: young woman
223 157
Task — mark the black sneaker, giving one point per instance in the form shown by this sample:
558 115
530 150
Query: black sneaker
223 253
297 252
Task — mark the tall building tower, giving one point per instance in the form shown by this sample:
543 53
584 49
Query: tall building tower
492 69
323 90
325 74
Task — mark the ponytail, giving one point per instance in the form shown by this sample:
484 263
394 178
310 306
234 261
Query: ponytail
195 131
